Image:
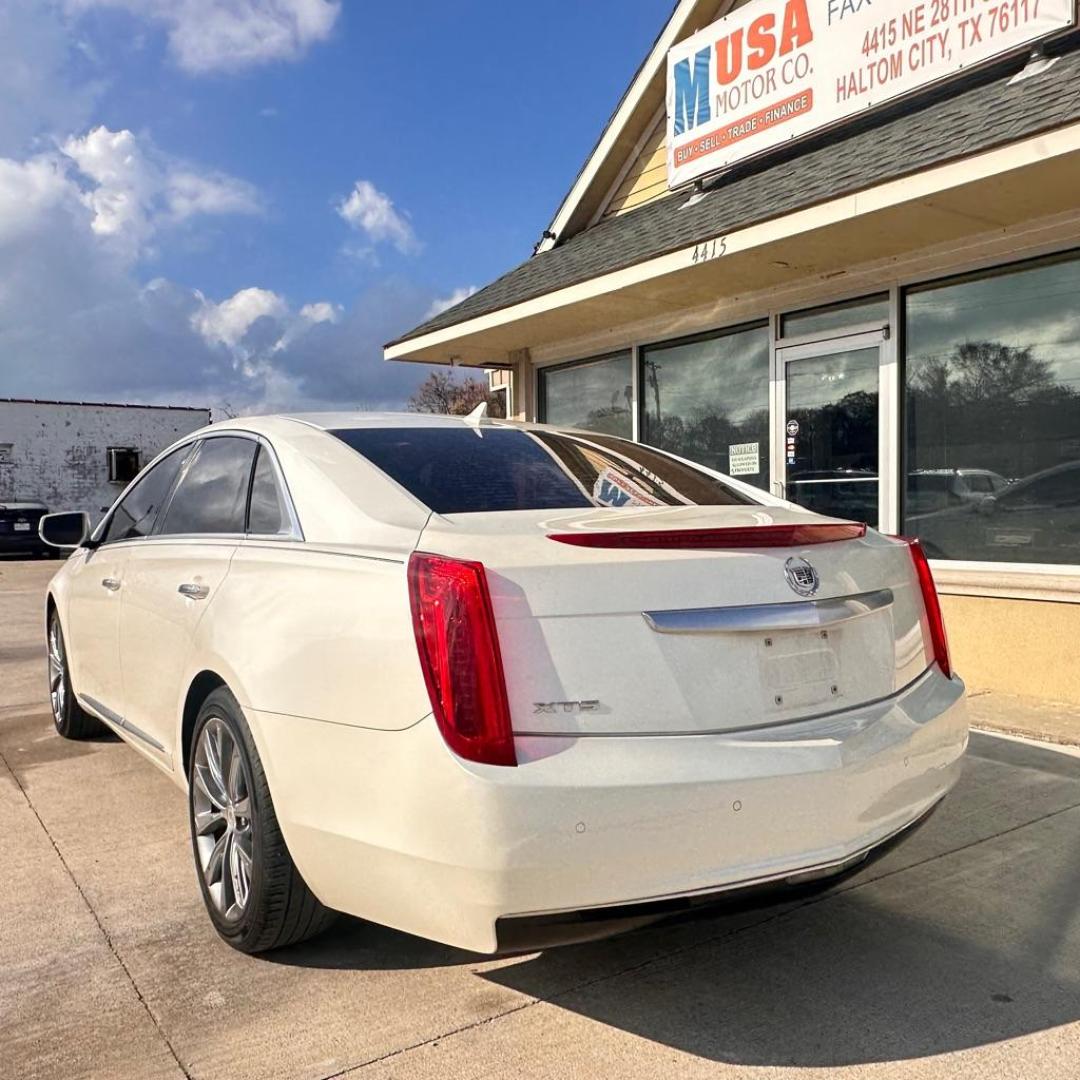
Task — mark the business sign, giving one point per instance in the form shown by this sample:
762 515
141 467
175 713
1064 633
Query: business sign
778 69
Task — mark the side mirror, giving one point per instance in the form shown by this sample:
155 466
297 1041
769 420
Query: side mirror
988 505
67 530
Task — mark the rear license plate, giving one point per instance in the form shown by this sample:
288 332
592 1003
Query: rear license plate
799 668
22 526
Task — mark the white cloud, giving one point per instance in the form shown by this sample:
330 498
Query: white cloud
30 190
230 35
191 193
442 304
135 191
373 213
79 321
320 312
227 323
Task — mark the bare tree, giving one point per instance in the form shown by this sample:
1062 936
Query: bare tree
442 393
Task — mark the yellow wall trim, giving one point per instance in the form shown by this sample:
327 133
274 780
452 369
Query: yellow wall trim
1028 648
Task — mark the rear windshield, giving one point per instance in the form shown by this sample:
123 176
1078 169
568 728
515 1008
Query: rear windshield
463 470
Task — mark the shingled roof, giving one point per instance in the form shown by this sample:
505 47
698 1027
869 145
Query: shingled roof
883 146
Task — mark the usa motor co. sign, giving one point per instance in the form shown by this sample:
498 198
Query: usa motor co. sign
778 69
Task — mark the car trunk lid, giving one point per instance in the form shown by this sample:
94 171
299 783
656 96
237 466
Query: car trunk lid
662 640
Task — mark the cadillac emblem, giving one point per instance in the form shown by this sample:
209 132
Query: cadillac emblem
801 576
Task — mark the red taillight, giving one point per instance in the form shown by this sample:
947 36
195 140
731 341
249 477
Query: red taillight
750 536
459 653
938 639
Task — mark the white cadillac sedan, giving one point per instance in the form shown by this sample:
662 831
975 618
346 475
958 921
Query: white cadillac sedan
501 685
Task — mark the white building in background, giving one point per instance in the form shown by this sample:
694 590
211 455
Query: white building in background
80 455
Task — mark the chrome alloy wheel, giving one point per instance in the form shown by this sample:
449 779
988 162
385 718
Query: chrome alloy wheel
222 811
57 666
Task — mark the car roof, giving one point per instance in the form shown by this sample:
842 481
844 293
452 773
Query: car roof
351 421
347 421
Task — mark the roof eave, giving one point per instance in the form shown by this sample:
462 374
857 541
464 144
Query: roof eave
808 237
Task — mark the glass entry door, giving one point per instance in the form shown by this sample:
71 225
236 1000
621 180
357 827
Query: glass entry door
831 423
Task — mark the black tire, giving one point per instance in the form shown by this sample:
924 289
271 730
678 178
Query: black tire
70 719
279 909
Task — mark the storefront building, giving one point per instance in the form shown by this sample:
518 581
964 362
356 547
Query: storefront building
873 311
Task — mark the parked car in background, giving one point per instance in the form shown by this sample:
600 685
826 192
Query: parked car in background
498 684
939 489
851 493
1034 520
19 529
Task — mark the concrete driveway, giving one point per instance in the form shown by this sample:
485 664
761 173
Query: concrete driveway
957 955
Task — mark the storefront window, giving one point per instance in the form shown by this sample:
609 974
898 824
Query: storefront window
707 399
993 415
823 320
596 395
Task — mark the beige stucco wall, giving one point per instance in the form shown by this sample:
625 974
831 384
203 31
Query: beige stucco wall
1026 647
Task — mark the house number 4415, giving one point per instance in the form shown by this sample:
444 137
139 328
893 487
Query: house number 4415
711 249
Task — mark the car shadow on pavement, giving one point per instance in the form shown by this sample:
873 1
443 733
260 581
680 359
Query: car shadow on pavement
969 935
28 739
966 935
353 944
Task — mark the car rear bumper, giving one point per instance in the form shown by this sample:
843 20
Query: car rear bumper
528 933
391 827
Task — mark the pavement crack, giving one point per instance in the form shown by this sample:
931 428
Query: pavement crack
391 1054
111 945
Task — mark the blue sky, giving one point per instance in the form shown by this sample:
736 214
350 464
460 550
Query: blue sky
205 201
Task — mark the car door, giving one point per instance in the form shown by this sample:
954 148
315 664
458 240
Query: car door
96 587
171 580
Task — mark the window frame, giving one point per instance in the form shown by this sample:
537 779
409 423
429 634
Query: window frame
967 576
112 457
542 371
641 351
294 534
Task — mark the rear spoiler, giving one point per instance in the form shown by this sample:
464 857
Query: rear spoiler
752 536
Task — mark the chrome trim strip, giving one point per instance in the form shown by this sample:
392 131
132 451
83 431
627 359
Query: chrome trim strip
140 734
102 710
754 618
118 721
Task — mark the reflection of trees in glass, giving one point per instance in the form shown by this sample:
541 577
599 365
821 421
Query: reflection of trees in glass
838 435
988 405
611 420
698 397
596 395
707 432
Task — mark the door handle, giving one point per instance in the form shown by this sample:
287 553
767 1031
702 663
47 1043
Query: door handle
111 583
193 591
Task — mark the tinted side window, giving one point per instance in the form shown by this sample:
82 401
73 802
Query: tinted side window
138 510
212 494
267 516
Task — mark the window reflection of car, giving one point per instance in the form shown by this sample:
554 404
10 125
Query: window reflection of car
848 493
1036 519
938 489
